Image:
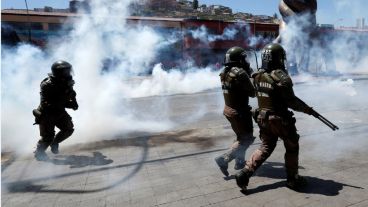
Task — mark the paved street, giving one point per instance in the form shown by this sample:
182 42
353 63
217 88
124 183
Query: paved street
176 167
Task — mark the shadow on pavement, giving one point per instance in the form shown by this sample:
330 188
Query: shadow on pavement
274 170
78 161
29 186
24 186
314 186
324 187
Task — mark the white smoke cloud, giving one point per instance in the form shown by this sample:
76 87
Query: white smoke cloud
325 52
165 83
205 36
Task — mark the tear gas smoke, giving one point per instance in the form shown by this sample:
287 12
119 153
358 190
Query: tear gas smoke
230 33
173 82
324 52
204 36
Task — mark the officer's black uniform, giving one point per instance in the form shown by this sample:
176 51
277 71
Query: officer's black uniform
57 93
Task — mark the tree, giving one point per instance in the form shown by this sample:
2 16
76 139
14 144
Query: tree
195 4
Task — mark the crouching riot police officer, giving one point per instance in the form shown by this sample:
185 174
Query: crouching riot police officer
57 93
237 88
274 91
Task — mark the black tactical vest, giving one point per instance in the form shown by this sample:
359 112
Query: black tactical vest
233 89
55 94
268 92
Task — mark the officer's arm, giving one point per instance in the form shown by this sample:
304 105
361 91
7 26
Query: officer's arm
72 100
285 86
292 101
46 95
246 84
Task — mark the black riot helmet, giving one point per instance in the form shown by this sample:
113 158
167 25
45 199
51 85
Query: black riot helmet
273 57
62 70
237 56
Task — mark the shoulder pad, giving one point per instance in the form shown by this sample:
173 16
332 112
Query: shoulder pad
237 72
46 82
281 78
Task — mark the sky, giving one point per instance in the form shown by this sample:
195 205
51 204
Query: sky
337 12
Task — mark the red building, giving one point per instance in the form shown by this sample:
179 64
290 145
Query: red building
44 25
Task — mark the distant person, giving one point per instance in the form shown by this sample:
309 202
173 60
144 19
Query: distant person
274 91
57 93
237 88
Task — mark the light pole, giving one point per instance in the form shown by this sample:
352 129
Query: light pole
29 23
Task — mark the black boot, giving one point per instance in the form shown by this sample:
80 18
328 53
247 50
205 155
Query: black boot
242 178
222 162
55 148
40 153
296 182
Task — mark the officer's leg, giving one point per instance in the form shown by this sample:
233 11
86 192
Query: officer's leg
291 143
223 160
244 141
47 134
66 127
269 141
237 149
244 132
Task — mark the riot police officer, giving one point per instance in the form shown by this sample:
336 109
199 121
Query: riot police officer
274 91
237 88
57 93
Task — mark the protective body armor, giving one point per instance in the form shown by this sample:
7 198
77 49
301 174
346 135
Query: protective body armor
56 95
237 89
275 92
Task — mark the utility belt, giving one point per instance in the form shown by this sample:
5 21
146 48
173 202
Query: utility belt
263 116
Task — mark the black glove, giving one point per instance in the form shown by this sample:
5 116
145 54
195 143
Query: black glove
72 104
75 106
